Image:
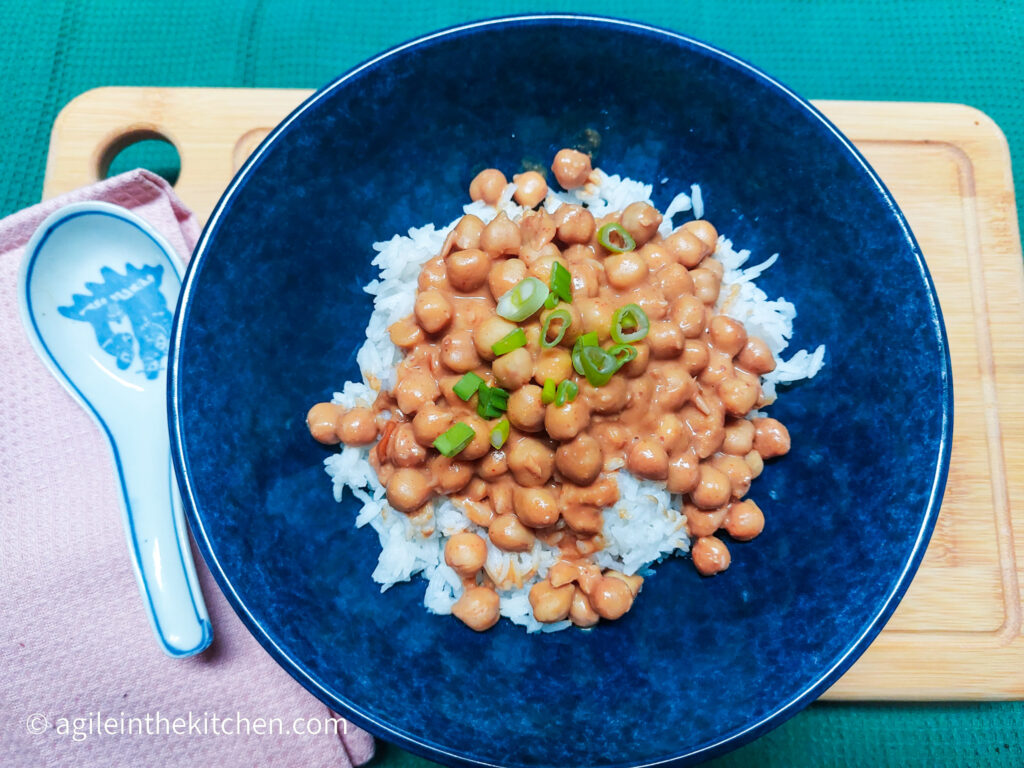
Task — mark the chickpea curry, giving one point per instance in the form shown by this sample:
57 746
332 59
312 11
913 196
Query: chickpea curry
543 355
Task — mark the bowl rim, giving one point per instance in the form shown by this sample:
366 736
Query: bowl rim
426 746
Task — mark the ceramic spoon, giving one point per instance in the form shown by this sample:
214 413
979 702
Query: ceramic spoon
97 289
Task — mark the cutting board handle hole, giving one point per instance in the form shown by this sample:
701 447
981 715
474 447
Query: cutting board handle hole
140 148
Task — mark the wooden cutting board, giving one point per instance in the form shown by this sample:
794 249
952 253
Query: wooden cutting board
958 633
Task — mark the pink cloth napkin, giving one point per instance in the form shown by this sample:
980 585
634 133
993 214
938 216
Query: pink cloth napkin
80 667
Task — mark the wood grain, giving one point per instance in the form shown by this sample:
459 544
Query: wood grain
957 633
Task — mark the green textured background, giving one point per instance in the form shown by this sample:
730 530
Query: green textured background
970 52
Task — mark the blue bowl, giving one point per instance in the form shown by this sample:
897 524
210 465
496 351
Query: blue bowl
272 313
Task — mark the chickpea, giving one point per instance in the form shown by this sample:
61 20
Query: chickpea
501 499
688 249
571 168
403 448
625 270
531 189
450 475
447 386
745 520
713 489
430 423
537 228
575 224
467 270
586 279
704 232
488 333
357 426
648 459
738 472
550 603
712 264
674 281
480 445
488 186
706 285
701 523
710 555
665 340
596 316
738 395
611 598
580 460
638 365
584 519
531 256
562 572
531 462
755 462
509 534
579 253
501 237
674 386
641 391
641 221
650 300
657 257
564 422
554 363
771 438
695 356
465 554
611 398
466 234
541 268
321 420
433 311
433 275
739 437
688 312
707 439
408 489
727 335
514 369
634 581
479 608
458 352
612 436
756 357
672 434
476 490
504 276
582 612
683 472
405 333
493 465
535 507
718 369
525 409
414 391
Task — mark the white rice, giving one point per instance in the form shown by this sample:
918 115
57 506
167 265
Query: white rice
643 527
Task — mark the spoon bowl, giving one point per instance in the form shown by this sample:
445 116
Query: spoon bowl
97 290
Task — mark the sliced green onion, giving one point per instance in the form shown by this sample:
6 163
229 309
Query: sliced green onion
630 324
604 237
551 301
584 340
467 386
491 402
558 314
547 393
598 365
509 342
566 393
622 353
525 298
455 439
561 282
500 434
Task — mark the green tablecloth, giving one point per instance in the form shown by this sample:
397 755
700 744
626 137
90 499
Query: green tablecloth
955 50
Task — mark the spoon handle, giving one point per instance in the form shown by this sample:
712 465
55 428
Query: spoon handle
158 542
